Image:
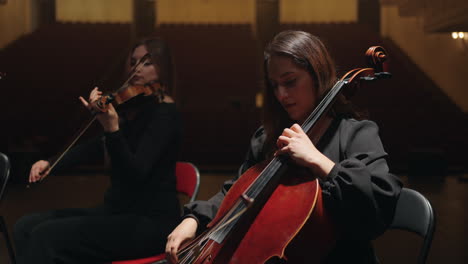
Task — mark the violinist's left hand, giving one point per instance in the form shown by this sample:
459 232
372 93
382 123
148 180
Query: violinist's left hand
295 143
108 119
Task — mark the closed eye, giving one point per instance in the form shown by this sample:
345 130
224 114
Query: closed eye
290 82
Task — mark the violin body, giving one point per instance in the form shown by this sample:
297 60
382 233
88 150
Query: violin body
126 94
293 215
135 90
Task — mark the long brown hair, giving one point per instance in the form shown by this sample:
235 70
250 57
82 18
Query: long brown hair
162 58
308 52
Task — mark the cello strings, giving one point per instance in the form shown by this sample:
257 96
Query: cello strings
187 256
265 176
225 225
218 232
276 163
215 234
270 170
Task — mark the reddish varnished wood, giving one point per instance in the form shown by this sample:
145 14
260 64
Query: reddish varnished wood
293 214
293 224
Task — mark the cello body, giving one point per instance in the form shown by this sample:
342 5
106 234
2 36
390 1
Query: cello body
274 213
292 225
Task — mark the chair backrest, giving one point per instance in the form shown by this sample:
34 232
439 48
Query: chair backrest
188 179
414 213
4 173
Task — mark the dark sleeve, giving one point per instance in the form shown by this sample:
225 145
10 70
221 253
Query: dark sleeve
359 192
255 151
205 211
86 152
153 143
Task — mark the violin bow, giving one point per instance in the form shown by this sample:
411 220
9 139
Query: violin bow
80 133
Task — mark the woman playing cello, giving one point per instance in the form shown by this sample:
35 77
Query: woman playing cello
140 207
349 160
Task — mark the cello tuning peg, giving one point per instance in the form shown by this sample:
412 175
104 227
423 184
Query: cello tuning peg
368 78
383 75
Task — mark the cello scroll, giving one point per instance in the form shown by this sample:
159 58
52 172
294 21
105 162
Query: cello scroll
376 58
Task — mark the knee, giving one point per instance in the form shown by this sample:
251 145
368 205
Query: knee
22 231
42 244
23 227
47 235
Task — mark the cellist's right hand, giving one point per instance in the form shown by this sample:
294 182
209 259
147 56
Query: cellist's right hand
184 232
39 171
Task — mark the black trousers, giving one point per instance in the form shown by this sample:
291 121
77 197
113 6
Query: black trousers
91 235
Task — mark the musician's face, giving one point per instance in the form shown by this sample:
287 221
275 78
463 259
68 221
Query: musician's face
147 72
293 87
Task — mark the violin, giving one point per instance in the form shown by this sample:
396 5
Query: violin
122 95
127 91
257 223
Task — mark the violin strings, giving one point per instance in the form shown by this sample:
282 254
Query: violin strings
83 130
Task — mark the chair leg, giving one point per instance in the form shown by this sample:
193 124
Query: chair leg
4 230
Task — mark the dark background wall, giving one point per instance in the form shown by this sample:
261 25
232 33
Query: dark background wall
218 78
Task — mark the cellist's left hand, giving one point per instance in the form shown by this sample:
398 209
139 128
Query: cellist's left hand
108 119
295 143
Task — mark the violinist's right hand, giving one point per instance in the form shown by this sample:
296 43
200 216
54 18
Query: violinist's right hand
184 232
39 171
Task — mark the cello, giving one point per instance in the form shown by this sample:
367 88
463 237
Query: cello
257 221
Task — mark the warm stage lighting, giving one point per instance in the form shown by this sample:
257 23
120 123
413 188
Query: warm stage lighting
461 35
454 35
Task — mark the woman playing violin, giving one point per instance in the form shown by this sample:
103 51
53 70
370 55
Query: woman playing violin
349 160
140 207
